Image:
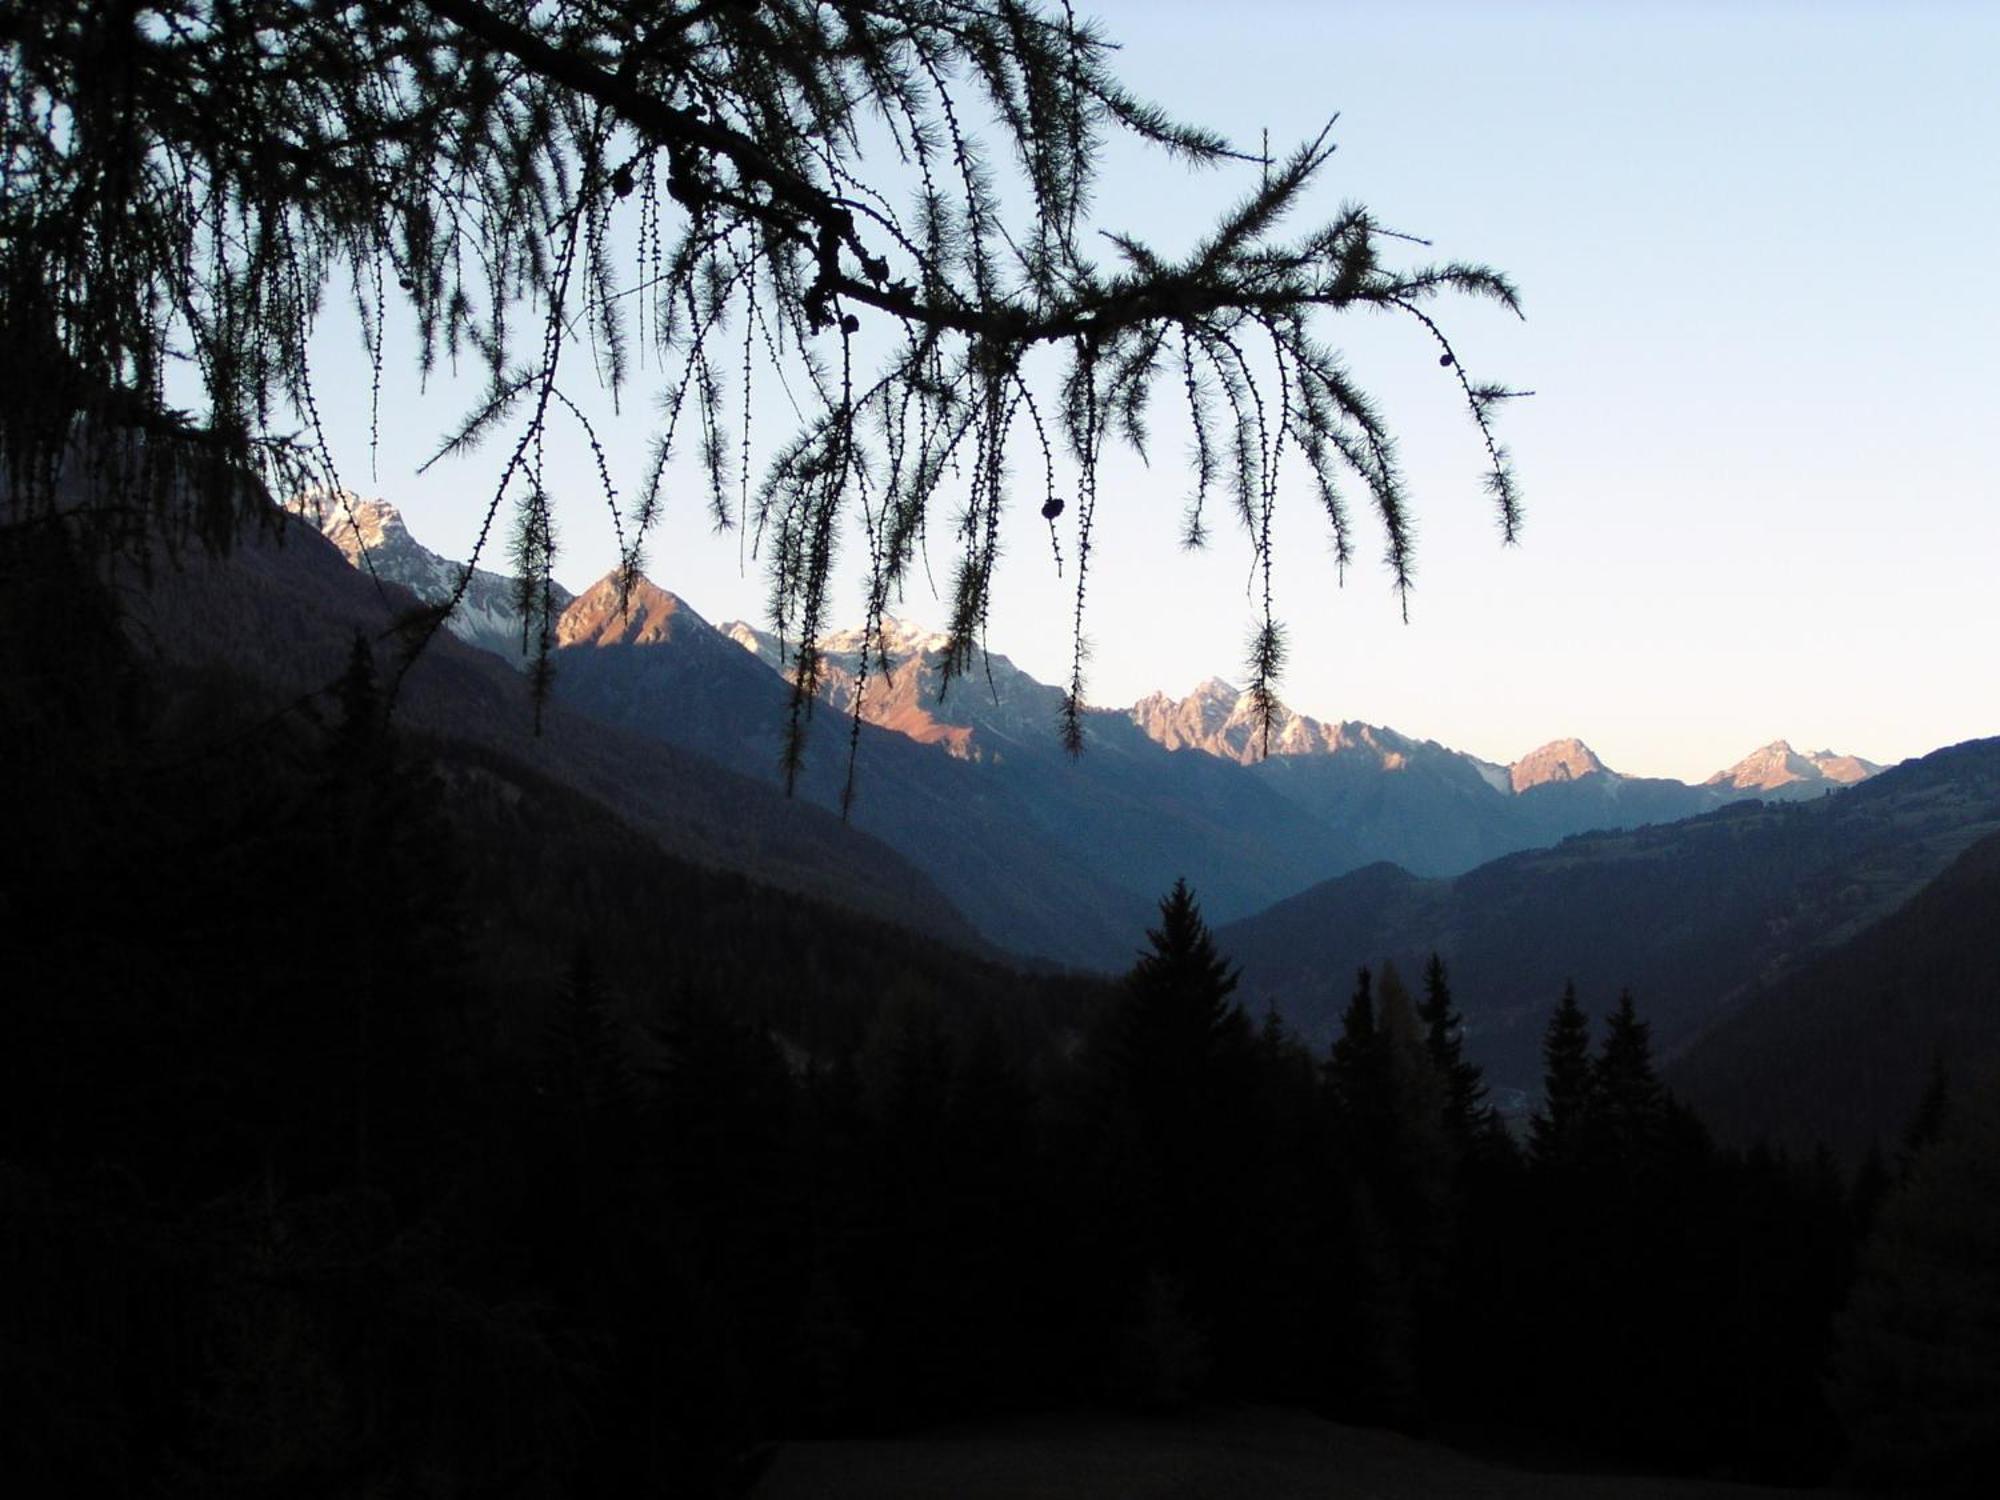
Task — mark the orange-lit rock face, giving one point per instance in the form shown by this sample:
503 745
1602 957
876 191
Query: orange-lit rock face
646 616
1559 760
901 686
1778 765
1222 720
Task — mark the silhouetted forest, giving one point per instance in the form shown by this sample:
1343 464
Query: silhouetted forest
378 1118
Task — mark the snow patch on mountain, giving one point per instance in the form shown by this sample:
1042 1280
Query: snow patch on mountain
371 535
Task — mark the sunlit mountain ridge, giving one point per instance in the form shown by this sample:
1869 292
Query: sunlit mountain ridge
1049 855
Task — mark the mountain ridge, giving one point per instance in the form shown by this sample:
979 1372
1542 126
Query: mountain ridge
373 536
1072 852
1694 916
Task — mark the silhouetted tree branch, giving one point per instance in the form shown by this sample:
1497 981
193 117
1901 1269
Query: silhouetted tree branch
712 183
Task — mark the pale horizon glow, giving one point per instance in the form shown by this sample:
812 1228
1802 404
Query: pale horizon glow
1755 245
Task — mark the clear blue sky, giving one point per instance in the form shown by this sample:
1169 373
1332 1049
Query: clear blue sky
1757 245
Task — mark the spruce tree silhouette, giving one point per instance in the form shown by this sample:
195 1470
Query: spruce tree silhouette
1556 1130
1181 1057
1467 1112
1627 1106
1354 1068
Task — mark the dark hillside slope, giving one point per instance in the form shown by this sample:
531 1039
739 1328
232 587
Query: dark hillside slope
179 848
1690 915
1839 1051
281 613
545 869
660 671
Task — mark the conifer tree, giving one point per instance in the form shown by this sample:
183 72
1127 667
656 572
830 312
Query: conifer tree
1182 974
1178 1031
1419 1153
1413 1087
559 192
1556 1130
1182 1059
1354 1068
1465 1100
1627 1104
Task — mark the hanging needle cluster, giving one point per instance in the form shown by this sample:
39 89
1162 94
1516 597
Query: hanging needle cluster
722 195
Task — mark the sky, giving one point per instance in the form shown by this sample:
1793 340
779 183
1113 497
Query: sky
1756 244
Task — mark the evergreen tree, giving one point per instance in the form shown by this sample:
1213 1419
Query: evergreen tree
197 174
1395 1171
1556 1130
1416 1170
1627 1105
1466 1109
1413 1093
1354 1069
359 732
1181 980
1182 1059
1176 1022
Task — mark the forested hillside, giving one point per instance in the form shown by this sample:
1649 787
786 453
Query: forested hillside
1840 1051
378 1106
1692 916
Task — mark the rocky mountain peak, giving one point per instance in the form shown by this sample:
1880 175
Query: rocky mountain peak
354 524
904 690
759 643
899 639
1845 769
1777 766
647 615
1558 760
372 536
1221 720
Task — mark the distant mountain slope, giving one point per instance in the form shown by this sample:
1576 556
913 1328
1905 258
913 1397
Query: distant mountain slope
1691 915
1048 855
1060 857
1777 769
371 535
1439 811
1556 762
1839 1050
282 611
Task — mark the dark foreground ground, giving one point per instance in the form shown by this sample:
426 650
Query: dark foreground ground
1252 1454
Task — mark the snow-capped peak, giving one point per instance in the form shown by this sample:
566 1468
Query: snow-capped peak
897 640
371 535
353 524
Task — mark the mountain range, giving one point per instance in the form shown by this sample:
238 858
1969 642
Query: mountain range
1837 1051
1697 918
971 827
1046 855
300 604
371 535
